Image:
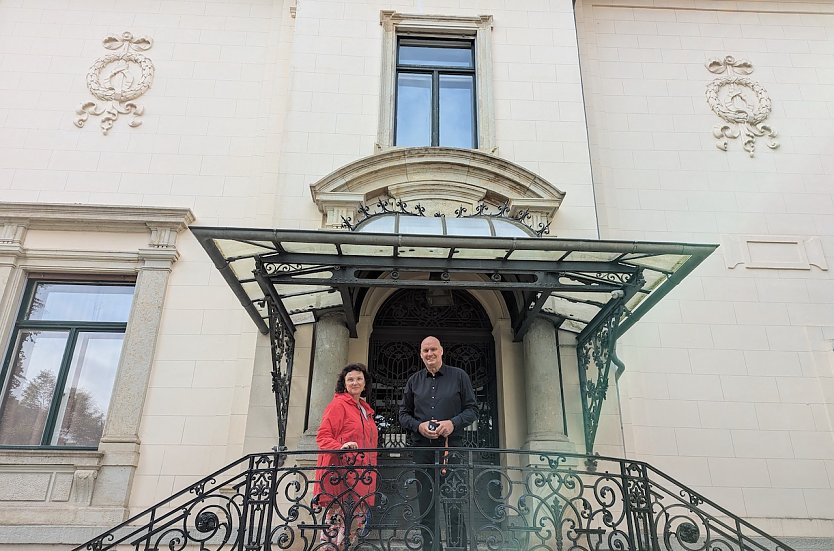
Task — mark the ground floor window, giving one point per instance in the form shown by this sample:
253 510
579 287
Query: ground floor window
59 371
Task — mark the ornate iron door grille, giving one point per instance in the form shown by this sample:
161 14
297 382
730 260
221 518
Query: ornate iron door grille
465 331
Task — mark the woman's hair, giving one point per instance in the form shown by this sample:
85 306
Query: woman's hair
340 383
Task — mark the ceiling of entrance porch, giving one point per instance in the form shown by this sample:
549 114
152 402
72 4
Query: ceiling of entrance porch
573 281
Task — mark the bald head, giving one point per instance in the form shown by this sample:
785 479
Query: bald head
431 353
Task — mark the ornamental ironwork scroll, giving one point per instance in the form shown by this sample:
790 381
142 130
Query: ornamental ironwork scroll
482 209
594 352
282 342
117 80
743 103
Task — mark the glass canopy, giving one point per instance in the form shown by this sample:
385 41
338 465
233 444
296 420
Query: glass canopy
305 273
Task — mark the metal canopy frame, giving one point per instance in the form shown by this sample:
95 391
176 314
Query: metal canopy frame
595 289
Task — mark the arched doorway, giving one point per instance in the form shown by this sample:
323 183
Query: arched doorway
465 331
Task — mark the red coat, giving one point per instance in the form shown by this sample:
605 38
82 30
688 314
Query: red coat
343 422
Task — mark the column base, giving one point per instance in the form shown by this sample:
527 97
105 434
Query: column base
307 441
549 445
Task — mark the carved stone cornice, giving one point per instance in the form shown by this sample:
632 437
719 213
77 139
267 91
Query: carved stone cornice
539 212
12 234
162 224
59 216
440 178
389 19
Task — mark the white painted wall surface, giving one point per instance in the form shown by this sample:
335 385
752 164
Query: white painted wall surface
729 380
729 383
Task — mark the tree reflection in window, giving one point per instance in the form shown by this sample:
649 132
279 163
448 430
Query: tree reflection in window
59 374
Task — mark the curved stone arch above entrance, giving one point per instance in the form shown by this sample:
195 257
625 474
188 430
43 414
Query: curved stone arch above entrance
440 179
491 301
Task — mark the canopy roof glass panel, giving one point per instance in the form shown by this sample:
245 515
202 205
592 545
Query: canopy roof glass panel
305 273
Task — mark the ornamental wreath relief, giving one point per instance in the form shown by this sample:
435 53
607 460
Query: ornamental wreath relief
118 79
741 101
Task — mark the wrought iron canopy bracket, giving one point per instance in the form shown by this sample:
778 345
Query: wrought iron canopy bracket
594 352
531 281
282 345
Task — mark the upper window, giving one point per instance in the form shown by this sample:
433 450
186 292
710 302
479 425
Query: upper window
58 375
435 93
436 82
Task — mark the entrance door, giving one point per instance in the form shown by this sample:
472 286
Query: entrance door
465 332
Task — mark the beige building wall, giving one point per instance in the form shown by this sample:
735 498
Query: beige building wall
250 103
728 383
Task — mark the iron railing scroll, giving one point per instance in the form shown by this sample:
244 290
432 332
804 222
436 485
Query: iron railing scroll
528 501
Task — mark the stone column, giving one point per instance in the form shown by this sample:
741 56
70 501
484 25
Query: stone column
545 420
12 235
120 441
330 355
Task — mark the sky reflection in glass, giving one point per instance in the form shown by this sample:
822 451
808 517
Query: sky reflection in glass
456 101
78 302
413 109
432 56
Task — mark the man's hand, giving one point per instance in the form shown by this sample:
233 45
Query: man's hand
445 428
441 430
424 429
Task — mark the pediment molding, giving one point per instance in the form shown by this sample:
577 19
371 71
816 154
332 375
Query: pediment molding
440 179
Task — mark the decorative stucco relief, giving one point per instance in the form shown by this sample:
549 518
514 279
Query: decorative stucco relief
118 79
742 102
773 252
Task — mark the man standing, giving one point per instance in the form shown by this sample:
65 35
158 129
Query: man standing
438 402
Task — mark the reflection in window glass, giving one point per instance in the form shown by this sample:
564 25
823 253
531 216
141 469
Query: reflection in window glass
428 56
468 226
87 391
413 109
30 386
71 301
456 110
58 378
435 85
420 225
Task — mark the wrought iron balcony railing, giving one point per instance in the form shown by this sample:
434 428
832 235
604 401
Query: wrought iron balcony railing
477 499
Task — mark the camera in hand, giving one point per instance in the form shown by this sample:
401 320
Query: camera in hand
433 425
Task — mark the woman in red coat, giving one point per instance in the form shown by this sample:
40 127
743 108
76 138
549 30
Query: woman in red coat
346 482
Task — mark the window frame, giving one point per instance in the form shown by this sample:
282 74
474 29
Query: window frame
476 30
73 328
75 241
436 71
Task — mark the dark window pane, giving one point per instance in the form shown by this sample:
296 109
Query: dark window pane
87 392
413 109
31 384
80 302
432 56
456 110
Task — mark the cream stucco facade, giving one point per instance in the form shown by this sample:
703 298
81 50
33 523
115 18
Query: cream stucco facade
592 115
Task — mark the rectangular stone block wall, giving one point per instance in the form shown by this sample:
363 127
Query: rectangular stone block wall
728 380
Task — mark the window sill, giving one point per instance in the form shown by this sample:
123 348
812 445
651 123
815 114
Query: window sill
47 476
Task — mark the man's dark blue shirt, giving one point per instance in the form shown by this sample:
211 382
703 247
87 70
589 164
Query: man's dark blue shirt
447 394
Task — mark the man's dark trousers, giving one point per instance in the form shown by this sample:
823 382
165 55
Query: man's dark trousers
428 472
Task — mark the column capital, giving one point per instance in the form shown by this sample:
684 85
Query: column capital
158 259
